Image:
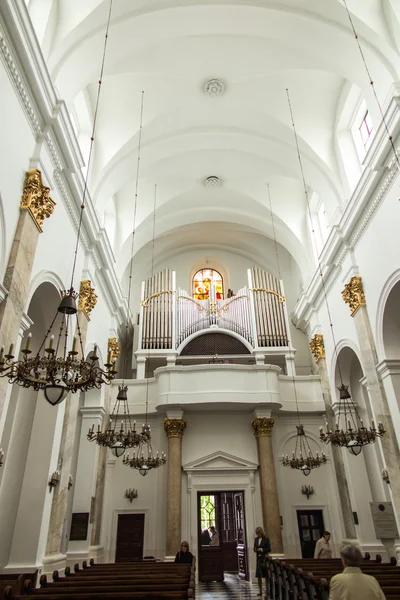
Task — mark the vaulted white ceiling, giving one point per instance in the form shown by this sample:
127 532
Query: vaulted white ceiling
170 49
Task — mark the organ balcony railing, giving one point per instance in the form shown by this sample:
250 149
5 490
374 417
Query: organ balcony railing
169 315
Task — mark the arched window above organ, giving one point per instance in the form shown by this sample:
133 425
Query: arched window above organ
202 282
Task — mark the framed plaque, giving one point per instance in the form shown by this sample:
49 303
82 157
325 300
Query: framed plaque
79 527
384 520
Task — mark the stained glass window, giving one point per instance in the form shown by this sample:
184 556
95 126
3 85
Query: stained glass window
202 282
207 511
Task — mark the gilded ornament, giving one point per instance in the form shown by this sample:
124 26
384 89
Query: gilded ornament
353 294
114 349
317 347
36 198
174 427
87 298
263 426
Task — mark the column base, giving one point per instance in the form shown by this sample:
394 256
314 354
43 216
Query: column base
97 553
169 558
276 555
77 556
51 562
350 542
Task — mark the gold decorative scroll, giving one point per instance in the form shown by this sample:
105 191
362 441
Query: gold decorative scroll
263 426
317 347
87 298
114 349
213 310
36 198
353 294
225 306
174 427
201 307
145 302
281 298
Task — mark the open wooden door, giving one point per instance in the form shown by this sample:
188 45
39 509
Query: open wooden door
241 547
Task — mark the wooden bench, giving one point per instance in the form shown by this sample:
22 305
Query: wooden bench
114 582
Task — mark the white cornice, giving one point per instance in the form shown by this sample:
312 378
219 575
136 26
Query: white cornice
378 176
49 119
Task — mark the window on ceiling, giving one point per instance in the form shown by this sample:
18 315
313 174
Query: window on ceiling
202 282
366 130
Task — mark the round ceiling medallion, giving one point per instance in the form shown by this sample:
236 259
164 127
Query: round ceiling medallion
214 88
212 182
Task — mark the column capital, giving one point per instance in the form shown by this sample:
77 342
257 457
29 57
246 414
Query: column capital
317 347
36 198
353 294
114 348
174 427
263 426
87 298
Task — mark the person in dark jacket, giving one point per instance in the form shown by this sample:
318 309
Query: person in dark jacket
205 538
262 547
184 556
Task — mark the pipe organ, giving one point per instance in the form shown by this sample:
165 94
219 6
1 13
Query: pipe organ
257 312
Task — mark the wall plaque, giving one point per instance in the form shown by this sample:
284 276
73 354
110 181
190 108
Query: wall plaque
384 520
79 527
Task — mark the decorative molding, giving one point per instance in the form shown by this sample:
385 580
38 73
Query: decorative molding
174 427
353 294
114 349
212 182
388 367
36 198
263 426
317 347
214 88
87 298
219 462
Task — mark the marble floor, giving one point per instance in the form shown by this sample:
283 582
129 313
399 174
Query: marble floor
232 587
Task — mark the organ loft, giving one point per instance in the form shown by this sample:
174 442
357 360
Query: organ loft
199 292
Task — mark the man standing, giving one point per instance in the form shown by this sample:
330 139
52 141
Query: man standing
322 547
352 584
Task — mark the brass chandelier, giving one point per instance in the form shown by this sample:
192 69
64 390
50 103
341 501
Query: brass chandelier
62 369
144 460
302 458
120 433
350 431
56 370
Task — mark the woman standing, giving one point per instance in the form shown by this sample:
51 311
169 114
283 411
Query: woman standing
261 547
184 556
214 536
323 549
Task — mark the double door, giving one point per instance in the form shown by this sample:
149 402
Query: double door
311 529
226 549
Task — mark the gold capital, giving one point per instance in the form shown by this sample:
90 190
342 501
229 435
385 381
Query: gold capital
317 347
114 348
263 426
353 294
87 298
174 427
36 198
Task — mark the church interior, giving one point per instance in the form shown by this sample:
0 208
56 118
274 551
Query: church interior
199 286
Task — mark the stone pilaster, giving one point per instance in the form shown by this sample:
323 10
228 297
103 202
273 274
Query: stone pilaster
269 493
318 350
174 429
36 205
376 392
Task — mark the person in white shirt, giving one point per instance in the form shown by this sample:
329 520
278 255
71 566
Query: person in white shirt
353 584
323 547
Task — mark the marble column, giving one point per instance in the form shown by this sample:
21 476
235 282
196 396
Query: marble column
174 429
269 493
36 205
353 294
57 536
318 350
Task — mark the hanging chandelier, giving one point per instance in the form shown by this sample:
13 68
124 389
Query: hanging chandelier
55 370
302 458
350 431
118 440
62 369
144 460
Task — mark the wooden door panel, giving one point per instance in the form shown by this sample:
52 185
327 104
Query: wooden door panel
130 534
311 528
